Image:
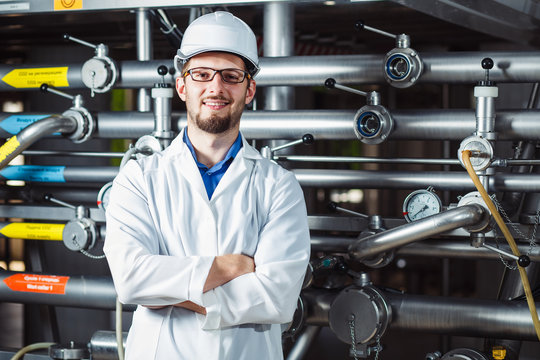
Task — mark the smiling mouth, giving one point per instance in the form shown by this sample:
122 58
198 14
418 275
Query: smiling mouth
216 104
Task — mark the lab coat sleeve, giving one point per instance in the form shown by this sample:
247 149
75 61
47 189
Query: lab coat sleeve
141 275
270 294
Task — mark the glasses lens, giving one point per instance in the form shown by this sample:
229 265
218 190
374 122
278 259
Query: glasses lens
232 76
202 74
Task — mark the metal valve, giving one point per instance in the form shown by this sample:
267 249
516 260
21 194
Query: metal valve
83 118
162 94
79 234
267 152
99 73
372 123
402 65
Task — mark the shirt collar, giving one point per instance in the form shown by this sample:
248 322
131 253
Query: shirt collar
231 154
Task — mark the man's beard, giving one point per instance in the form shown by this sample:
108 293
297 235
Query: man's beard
215 124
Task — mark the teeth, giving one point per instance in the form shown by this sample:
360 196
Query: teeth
215 103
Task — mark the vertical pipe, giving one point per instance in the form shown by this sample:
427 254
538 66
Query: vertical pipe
278 41
144 53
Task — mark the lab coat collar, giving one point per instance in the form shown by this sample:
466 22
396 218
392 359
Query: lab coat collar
240 167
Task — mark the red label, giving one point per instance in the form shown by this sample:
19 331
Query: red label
48 284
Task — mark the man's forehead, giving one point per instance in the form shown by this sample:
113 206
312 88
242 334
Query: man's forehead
217 59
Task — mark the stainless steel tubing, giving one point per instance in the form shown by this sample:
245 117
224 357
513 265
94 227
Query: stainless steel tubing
32 133
103 345
351 159
441 315
418 230
144 53
464 317
460 250
304 341
454 181
99 174
94 292
442 67
338 124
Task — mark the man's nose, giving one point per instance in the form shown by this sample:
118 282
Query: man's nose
216 83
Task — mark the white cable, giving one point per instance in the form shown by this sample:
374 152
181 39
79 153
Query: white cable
119 334
43 345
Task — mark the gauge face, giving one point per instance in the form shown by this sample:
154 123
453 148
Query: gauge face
103 196
420 204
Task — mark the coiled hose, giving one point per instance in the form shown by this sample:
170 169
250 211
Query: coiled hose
466 156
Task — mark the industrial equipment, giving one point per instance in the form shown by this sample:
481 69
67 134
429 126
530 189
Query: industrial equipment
429 248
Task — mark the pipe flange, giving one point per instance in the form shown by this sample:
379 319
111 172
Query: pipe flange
474 197
85 124
79 234
481 149
147 145
372 124
297 323
99 74
71 351
372 314
402 67
464 354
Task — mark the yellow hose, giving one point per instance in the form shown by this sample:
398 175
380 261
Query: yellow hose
466 156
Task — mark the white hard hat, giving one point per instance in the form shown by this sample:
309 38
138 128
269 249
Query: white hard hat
219 31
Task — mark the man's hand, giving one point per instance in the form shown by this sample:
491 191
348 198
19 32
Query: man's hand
228 267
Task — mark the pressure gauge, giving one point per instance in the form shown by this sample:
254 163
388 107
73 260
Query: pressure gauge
420 204
103 196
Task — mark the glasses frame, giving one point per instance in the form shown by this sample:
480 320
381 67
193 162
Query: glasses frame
247 75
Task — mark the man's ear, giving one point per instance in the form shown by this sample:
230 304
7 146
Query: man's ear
250 92
181 88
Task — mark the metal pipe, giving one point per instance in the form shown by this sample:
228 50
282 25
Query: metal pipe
103 345
356 159
328 178
55 174
453 181
30 134
447 124
94 292
144 53
418 230
304 341
447 67
440 315
278 41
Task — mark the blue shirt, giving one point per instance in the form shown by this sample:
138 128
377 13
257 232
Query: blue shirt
212 176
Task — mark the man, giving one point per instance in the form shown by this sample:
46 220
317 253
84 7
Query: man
207 237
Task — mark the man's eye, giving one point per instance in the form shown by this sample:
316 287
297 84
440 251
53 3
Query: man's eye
202 74
231 76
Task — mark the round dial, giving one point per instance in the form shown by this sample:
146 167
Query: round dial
103 196
420 204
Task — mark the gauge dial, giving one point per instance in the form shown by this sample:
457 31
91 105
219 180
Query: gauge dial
420 204
103 196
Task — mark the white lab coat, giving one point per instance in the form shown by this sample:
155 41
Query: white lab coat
163 234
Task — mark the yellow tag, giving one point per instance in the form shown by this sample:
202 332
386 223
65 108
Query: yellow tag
34 77
68 4
33 231
8 147
498 352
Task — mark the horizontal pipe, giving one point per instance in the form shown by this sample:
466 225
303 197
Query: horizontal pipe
448 124
421 124
440 315
441 180
94 292
324 178
437 248
438 224
442 67
368 160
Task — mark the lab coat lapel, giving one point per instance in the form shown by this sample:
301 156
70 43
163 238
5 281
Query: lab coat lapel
189 170
241 167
